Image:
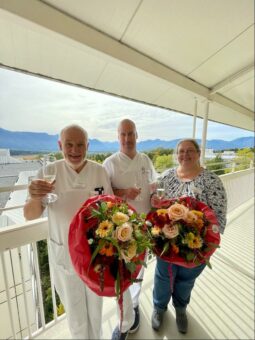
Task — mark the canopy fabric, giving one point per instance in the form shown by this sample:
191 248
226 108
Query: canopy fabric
168 53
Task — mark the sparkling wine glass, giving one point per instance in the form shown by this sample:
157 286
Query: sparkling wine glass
49 175
160 189
138 185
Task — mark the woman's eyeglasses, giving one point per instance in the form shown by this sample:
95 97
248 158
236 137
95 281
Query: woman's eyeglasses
189 152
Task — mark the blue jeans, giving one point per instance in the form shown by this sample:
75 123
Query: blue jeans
182 281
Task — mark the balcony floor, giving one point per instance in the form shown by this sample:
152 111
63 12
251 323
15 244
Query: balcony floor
222 303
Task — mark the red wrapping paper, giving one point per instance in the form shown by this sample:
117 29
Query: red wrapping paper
212 235
80 253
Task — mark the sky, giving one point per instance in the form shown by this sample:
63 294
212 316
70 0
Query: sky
30 103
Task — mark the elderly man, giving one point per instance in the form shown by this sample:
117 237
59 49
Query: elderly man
76 179
131 174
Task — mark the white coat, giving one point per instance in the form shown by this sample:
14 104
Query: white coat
123 172
83 307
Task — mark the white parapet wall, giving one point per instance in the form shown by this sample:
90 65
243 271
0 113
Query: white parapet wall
239 186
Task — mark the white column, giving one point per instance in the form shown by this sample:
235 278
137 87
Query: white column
203 143
194 120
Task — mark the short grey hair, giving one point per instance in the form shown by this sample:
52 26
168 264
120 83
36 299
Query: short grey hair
191 140
73 126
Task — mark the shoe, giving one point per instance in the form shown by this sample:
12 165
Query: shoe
117 335
181 321
136 323
156 319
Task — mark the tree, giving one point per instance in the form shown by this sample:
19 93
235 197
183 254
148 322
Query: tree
45 281
163 162
243 159
216 165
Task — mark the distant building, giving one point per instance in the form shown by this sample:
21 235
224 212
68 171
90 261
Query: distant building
228 155
209 154
5 157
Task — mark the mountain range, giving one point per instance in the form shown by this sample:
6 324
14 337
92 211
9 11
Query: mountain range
43 142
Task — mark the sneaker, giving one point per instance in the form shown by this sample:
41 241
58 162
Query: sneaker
136 323
182 321
117 335
156 319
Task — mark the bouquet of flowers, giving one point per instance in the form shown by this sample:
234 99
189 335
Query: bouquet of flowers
186 233
107 243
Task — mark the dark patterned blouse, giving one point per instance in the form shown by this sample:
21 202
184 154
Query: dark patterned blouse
206 187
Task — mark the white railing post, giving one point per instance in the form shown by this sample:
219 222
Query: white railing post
203 143
24 292
38 283
53 295
233 166
8 295
194 120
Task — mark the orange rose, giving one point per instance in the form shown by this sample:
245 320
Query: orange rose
191 218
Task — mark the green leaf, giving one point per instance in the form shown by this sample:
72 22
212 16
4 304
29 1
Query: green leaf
213 245
131 266
103 207
208 263
165 248
190 256
95 252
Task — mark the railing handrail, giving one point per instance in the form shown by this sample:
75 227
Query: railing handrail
13 188
36 230
237 173
25 233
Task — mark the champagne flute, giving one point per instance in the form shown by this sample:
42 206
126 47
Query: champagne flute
160 189
49 175
138 185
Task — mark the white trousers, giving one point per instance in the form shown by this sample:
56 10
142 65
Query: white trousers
82 306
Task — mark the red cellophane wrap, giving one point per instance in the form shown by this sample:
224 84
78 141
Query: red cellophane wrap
80 253
212 234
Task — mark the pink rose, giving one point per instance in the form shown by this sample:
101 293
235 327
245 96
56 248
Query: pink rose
170 231
124 232
130 252
177 212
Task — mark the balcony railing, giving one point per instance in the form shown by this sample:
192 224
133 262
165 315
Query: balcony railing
21 299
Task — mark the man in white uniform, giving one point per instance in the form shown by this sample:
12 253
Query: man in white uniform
132 174
76 180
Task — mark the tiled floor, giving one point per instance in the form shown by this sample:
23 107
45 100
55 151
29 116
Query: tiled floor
222 303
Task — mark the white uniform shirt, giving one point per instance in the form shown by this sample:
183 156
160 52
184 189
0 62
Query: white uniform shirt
125 172
72 189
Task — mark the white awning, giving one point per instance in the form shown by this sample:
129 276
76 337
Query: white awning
167 53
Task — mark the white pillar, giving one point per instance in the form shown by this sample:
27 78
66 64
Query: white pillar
203 143
194 120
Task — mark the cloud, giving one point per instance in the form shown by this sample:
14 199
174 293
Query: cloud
30 103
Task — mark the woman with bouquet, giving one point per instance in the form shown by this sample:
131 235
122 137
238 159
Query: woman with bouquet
188 179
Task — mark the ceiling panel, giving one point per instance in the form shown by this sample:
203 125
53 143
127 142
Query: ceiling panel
236 55
112 17
183 34
142 50
243 93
